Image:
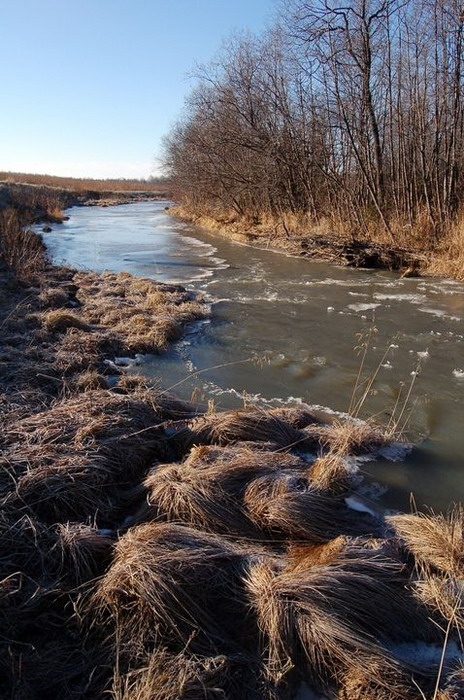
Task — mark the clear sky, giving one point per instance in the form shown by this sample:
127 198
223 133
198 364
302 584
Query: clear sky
89 87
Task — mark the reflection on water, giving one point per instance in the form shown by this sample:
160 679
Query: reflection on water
284 329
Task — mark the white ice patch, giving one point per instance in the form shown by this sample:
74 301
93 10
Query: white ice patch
328 281
440 314
412 298
395 452
363 307
359 504
131 361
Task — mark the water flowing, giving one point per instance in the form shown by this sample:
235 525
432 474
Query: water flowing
285 330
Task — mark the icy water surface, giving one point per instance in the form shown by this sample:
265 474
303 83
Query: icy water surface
287 330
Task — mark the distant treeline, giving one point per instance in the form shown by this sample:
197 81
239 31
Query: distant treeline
351 112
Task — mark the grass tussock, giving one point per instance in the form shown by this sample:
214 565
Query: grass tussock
162 584
436 540
60 321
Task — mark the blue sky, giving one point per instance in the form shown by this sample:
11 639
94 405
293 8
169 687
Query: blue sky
89 87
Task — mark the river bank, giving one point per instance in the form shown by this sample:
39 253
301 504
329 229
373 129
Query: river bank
323 243
154 549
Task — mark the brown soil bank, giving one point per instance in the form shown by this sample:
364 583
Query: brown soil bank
151 551
295 236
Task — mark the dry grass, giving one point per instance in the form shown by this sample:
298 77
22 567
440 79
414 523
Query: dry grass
146 314
332 620
234 576
330 473
435 540
155 185
21 250
252 425
169 582
348 437
165 676
60 321
295 233
449 258
313 516
212 489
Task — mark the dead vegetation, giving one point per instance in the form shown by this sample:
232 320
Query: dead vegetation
181 559
149 551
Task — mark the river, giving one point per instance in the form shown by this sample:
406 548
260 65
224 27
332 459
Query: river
285 330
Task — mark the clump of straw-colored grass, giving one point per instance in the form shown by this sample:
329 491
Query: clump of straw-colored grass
331 474
349 437
308 515
178 494
338 618
59 320
173 583
91 379
210 490
85 551
435 540
165 676
236 426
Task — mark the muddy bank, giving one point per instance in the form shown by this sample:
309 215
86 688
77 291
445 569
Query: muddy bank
327 247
